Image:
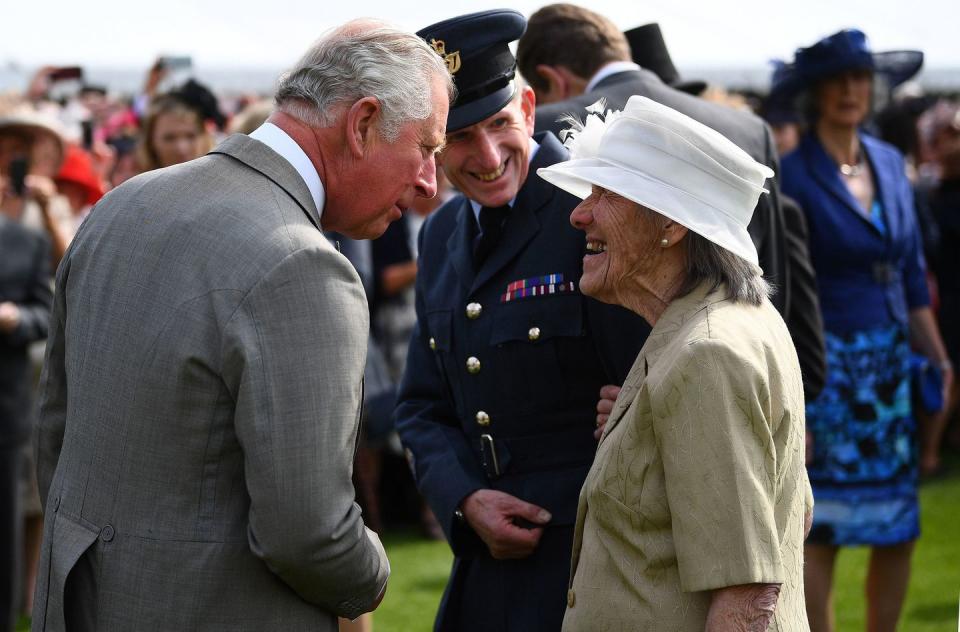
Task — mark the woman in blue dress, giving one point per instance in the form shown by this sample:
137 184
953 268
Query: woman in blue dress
865 248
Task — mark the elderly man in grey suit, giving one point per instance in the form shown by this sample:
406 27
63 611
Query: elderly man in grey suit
201 394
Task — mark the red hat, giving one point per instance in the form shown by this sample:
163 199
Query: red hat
78 168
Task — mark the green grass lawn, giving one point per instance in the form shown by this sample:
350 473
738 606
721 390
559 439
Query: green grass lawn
420 570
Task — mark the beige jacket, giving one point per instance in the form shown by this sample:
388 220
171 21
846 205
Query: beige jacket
699 480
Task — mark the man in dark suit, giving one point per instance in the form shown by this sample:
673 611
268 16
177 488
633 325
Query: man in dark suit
25 300
572 57
497 404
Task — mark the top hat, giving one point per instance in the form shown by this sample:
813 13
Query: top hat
649 50
476 49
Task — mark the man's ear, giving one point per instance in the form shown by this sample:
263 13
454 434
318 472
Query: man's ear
528 106
557 88
361 123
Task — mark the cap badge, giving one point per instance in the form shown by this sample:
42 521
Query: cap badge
451 59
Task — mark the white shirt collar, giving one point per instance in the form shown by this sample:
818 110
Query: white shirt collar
612 68
280 142
534 147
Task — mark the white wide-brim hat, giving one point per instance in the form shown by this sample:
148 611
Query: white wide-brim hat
668 162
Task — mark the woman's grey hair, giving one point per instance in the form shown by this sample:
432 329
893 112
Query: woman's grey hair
364 59
709 263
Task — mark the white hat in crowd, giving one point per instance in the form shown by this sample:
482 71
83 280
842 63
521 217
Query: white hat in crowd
668 162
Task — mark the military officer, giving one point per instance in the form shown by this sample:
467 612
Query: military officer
498 401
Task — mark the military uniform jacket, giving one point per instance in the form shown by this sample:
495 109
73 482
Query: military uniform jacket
500 391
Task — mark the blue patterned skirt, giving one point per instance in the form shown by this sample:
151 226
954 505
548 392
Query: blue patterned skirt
864 466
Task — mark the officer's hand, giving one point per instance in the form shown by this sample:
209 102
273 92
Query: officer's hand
608 396
491 514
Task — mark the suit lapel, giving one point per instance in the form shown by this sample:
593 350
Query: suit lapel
264 160
460 243
523 225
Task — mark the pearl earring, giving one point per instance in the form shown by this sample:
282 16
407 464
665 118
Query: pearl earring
664 242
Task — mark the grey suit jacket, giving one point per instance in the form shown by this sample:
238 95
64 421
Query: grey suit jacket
200 407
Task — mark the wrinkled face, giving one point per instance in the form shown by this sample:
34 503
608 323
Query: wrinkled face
177 138
622 239
487 161
844 100
390 176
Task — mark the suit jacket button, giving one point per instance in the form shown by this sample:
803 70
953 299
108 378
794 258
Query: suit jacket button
571 598
474 310
483 418
56 504
433 343
534 333
107 533
473 365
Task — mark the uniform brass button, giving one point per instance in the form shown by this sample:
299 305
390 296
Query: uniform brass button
483 418
473 365
571 598
474 310
433 343
534 333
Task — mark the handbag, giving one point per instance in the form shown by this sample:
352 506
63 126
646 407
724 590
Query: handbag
926 384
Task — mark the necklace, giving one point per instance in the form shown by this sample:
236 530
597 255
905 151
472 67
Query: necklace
854 170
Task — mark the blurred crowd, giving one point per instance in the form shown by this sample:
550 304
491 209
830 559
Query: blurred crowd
65 143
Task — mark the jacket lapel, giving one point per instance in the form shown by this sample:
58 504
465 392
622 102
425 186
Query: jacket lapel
523 225
884 182
825 172
264 160
460 243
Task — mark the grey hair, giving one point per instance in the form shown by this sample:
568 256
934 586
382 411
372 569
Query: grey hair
364 59
709 263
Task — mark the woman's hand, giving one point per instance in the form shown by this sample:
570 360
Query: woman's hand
744 608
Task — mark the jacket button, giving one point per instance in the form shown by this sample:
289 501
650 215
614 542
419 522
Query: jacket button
56 504
474 310
483 418
107 533
473 365
433 343
571 598
534 333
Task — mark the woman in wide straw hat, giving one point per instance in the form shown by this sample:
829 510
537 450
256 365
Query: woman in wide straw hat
693 512
865 248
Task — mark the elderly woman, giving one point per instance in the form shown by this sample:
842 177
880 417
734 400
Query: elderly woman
692 515
865 247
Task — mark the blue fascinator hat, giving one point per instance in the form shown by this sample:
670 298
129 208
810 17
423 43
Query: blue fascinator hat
844 51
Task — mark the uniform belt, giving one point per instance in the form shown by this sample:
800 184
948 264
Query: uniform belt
572 447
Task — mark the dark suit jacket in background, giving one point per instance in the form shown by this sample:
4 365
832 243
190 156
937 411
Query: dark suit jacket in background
24 280
767 227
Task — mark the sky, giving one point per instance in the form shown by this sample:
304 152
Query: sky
245 33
